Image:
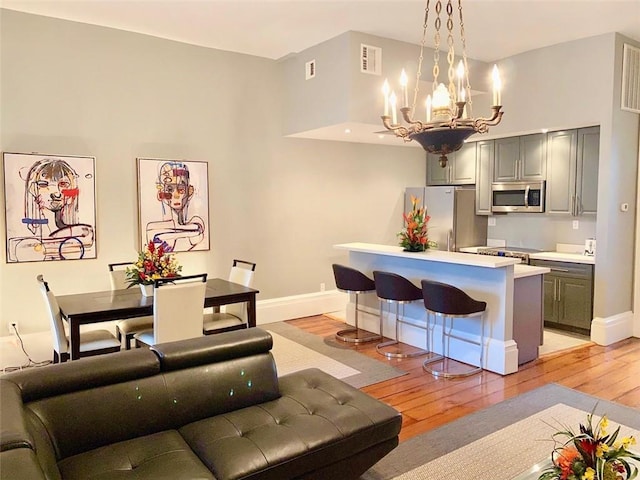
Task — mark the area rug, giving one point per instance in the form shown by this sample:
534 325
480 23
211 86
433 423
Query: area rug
294 349
501 441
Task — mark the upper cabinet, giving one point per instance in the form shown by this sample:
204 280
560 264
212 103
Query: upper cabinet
484 176
572 175
520 158
460 168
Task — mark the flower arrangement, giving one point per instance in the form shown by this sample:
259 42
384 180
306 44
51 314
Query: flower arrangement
414 237
153 263
592 454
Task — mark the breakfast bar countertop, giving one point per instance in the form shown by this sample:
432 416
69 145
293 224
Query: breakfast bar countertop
485 261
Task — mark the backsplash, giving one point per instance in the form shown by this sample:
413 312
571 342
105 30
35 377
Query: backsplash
541 231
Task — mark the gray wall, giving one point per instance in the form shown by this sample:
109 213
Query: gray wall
538 96
70 88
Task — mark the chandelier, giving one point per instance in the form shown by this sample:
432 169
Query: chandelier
448 119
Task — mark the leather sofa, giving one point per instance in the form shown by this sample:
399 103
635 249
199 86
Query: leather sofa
207 408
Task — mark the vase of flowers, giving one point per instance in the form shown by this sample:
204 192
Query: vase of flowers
414 236
591 454
153 263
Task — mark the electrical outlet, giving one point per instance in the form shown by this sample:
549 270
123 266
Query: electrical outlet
576 224
492 222
13 328
322 287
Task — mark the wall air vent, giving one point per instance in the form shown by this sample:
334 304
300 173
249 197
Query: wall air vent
310 69
370 59
630 79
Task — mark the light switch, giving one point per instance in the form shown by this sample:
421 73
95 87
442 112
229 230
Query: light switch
492 222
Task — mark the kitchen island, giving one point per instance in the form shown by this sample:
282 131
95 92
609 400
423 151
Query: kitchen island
487 278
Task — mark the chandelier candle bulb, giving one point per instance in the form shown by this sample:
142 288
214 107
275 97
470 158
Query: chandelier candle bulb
497 86
385 92
403 83
392 101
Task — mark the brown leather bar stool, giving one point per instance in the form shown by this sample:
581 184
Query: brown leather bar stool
392 288
350 280
450 302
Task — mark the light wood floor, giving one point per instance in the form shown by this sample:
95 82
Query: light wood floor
611 373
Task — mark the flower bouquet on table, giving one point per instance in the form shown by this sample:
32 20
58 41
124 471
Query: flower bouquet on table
592 454
153 263
414 236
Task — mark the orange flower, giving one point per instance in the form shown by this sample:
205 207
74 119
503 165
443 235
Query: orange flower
565 461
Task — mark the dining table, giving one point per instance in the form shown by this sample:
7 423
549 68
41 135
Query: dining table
105 306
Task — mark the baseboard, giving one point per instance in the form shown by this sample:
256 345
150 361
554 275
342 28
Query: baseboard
609 330
298 306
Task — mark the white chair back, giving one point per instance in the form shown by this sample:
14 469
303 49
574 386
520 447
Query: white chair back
60 340
177 308
118 275
242 276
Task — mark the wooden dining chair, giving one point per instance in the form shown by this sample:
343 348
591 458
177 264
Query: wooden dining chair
233 316
92 342
177 310
130 326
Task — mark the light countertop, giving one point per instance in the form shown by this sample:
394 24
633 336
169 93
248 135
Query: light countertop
521 271
563 257
431 255
556 256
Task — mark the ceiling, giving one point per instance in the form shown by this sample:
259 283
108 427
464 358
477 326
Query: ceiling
495 29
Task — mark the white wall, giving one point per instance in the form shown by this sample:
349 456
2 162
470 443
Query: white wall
70 88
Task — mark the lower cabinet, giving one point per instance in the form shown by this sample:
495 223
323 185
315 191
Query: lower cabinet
568 295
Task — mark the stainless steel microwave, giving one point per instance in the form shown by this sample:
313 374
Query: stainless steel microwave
517 197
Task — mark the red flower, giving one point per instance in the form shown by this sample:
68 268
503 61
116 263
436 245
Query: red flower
151 247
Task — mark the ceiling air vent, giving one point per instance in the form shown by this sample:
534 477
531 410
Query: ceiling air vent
630 78
370 59
310 69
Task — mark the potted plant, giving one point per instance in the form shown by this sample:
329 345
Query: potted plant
153 263
414 236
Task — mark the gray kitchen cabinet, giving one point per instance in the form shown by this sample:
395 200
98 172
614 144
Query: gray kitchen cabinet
572 175
520 158
460 169
568 295
484 176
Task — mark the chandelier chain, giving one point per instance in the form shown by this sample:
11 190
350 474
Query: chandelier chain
463 40
451 54
416 89
436 52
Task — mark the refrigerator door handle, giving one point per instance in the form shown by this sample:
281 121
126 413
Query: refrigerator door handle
449 240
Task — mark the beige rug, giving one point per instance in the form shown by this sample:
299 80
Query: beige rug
291 357
508 452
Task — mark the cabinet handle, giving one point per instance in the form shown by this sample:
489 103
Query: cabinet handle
573 205
555 269
555 296
579 208
559 291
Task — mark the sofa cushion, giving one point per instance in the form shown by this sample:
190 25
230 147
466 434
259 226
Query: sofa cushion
91 372
20 464
212 348
161 456
14 433
318 420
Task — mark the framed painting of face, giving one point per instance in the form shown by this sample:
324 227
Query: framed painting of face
50 207
173 204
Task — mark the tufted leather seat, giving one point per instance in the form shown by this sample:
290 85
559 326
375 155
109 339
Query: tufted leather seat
207 408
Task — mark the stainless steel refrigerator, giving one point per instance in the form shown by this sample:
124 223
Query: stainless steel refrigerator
454 223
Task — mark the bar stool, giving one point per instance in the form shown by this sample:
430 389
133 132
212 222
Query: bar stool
350 280
450 302
394 288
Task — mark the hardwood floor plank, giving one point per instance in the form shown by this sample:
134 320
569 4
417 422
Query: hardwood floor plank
611 373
